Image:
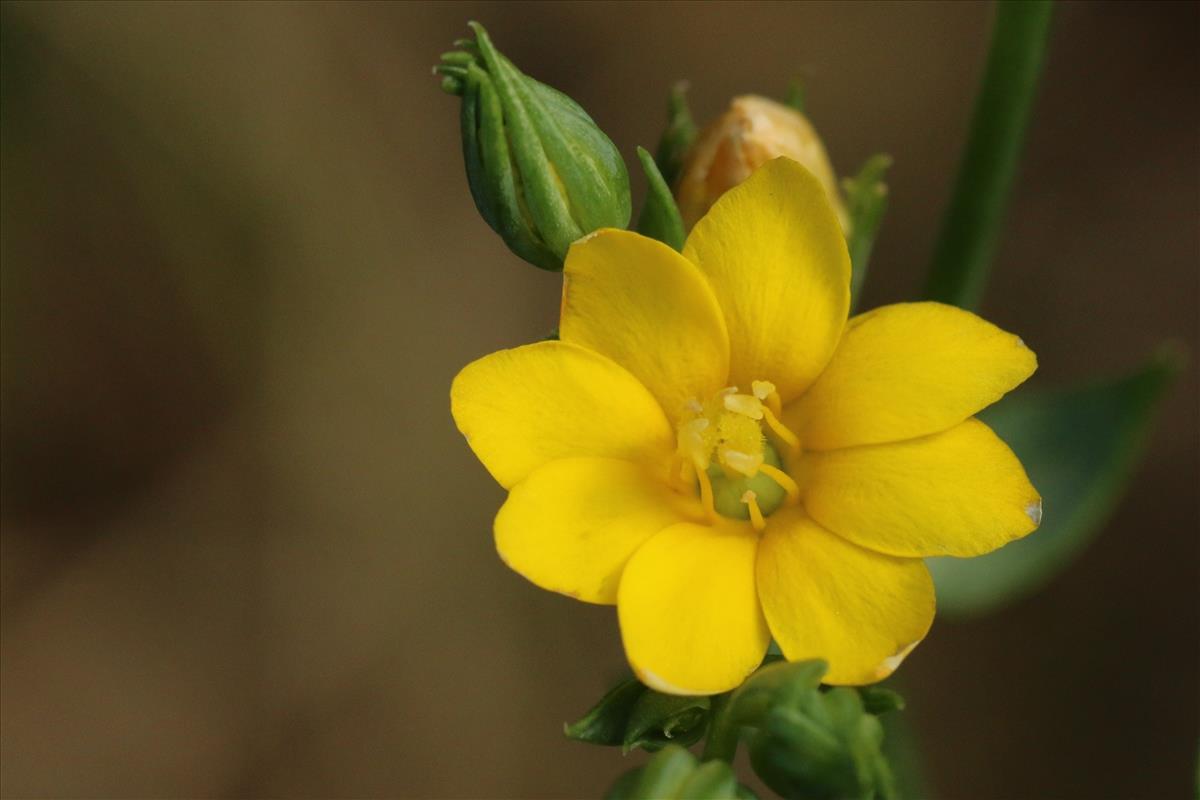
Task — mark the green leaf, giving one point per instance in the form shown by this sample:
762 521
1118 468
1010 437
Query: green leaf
972 222
605 723
1079 447
866 202
659 719
660 217
678 137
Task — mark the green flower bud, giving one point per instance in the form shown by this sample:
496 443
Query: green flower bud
541 172
805 741
824 749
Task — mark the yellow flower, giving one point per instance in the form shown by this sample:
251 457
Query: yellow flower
751 132
712 447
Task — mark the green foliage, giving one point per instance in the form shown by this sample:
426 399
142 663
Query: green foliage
660 217
1079 447
541 172
678 137
866 202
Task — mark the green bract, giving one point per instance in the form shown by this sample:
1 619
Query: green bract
541 172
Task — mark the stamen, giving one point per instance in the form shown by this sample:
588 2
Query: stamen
781 430
706 494
678 477
765 391
756 516
784 480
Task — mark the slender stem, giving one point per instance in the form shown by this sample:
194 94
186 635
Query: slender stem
971 225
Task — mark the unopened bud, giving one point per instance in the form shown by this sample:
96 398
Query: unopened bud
541 172
750 133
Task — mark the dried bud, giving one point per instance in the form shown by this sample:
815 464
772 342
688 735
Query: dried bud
752 132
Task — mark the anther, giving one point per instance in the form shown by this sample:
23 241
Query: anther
744 404
756 516
747 464
784 480
765 391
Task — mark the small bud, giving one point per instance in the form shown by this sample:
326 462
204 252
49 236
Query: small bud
541 172
752 132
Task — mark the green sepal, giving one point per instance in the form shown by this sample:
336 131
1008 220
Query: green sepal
658 720
1079 447
631 715
866 203
660 218
678 136
605 723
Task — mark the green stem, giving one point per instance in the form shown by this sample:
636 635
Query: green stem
721 741
972 222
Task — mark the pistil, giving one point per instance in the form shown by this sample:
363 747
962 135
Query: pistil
738 471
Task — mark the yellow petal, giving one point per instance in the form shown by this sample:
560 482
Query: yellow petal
957 493
908 370
689 612
824 597
651 310
774 253
524 407
572 525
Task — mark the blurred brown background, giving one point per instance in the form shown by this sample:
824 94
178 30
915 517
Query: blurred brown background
245 553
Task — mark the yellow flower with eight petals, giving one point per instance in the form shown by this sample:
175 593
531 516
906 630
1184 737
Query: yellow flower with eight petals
715 449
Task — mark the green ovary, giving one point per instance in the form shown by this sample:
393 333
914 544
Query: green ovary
727 491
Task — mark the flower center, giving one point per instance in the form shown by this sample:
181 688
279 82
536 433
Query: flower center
724 451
